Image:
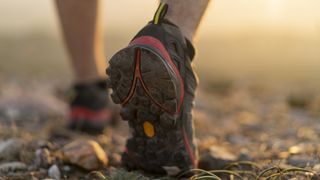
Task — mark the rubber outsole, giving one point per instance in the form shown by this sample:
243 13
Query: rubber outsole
149 94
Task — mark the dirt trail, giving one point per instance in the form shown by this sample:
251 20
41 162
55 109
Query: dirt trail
267 125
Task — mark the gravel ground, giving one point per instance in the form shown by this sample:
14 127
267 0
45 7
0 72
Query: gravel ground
259 126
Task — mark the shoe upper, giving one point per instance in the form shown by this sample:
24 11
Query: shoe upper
93 96
89 110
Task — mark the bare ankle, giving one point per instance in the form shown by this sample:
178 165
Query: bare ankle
186 15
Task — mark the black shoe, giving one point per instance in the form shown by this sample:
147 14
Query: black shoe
89 110
153 80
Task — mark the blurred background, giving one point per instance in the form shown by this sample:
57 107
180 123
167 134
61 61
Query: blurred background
265 40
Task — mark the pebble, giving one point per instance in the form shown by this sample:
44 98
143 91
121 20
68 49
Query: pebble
295 149
6 168
43 158
87 154
54 172
316 168
301 161
10 149
45 144
244 155
216 158
66 168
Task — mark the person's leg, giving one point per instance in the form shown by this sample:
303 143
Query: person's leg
81 25
186 14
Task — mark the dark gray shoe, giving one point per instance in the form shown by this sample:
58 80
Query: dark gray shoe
153 80
90 111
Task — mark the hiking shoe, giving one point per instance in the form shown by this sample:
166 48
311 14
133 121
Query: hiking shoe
153 80
89 110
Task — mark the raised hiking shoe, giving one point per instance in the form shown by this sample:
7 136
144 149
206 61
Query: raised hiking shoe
89 110
153 80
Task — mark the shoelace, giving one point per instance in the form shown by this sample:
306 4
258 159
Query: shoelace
160 13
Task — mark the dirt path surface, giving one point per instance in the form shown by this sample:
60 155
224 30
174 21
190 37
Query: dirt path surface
258 126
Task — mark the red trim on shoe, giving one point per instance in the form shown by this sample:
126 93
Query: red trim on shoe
155 43
135 77
189 150
89 115
138 77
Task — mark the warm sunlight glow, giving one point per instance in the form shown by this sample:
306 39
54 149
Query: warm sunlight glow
274 7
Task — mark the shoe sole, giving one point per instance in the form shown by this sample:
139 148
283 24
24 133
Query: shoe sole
149 90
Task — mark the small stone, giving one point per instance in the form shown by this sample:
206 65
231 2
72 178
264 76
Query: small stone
316 168
244 155
12 167
44 158
216 158
10 149
172 170
295 149
67 168
284 155
45 144
301 161
54 172
87 154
